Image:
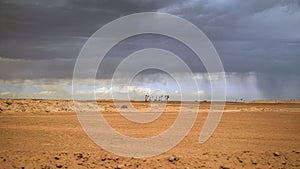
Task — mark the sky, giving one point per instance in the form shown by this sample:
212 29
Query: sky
257 41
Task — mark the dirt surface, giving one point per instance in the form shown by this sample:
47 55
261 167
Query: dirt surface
47 134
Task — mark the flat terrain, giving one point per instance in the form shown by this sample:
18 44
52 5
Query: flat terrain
47 134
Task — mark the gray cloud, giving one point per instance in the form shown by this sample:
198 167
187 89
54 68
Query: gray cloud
247 86
41 39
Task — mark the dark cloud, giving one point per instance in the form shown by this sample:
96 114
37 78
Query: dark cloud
279 86
58 29
41 39
48 29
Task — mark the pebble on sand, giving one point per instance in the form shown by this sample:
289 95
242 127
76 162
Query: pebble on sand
173 158
65 106
59 166
240 160
120 166
8 103
254 162
276 154
223 167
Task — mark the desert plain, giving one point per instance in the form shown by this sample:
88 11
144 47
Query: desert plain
47 134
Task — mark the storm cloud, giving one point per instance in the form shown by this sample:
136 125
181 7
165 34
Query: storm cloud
42 39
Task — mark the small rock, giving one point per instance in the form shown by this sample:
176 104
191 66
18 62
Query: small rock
103 159
45 167
84 159
65 106
136 165
79 155
240 160
254 162
223 167
276 154
120 166
9 103
59 166
173 158
47 110
64 153
283 162
56 158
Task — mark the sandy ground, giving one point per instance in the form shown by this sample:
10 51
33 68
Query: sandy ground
47 134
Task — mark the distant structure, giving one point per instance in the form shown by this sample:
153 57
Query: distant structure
147 97
240 100
167 97
160 98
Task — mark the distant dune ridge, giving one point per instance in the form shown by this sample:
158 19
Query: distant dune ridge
274 101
